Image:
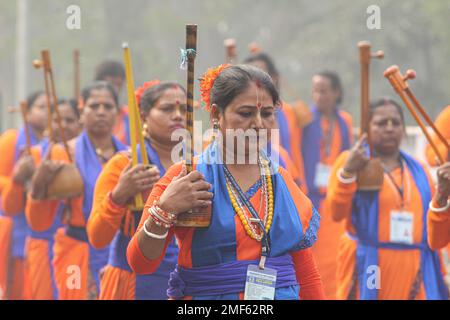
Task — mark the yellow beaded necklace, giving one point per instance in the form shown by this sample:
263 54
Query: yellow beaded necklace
244 215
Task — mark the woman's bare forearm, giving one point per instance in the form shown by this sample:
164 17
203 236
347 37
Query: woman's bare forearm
151 248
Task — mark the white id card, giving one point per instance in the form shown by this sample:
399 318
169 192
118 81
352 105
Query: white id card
260 284
322 175
401 227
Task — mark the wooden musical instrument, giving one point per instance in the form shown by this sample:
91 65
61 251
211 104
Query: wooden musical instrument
230 51
76 75
24 113
370 178
193 218
400 84
67 182
135 125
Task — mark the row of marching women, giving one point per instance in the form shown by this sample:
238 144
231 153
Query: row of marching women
295 226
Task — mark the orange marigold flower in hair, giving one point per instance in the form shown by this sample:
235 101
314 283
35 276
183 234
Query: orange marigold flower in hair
140 90
207 82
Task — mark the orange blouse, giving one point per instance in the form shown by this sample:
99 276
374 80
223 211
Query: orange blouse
14 194
106 218
442 124
438 223
438 229
8 142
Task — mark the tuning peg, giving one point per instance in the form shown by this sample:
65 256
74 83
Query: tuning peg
229 42
391 70
365 53
364 44
378 55
409 75
395 77
37 64
254 48
12 109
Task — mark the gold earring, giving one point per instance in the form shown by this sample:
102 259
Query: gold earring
215 132
145 130
215 124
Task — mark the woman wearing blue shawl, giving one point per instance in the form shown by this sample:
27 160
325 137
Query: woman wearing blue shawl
39 245
384 254
16 167
163 108
262 225
322 140
77 264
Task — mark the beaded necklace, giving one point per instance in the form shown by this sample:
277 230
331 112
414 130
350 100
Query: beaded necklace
242 210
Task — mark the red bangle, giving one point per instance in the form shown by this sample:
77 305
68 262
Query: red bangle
113 204
158 220
162 213
160 217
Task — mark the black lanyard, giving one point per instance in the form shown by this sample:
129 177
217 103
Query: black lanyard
400 189
265 241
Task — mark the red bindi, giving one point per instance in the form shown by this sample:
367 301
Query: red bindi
258 103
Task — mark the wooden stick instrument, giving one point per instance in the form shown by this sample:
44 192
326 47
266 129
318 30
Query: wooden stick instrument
37 64
230 51
12 109
370 178
67 182
76 71
191 219
191 46
141 138
400 84
135 124
24 112
254 48
48 65
45 63
365 56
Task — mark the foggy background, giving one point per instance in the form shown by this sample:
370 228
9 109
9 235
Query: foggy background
302 36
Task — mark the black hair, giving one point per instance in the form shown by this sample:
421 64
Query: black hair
234 80
384 102
266 59
152 94
109 68
335 82
99 85
73 105
32 97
